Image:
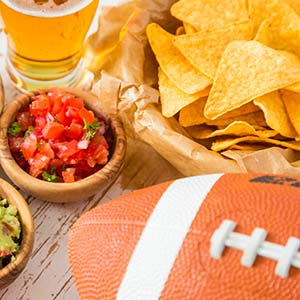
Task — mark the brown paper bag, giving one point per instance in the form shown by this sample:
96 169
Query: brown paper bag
126 70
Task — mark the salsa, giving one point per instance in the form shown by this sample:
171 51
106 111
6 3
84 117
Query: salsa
57 139
10 232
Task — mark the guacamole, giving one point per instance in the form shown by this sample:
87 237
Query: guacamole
10 232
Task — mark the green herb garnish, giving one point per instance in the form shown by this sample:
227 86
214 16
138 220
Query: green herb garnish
27 132
21 154
50 177
53 169
14 129
40 143
91 129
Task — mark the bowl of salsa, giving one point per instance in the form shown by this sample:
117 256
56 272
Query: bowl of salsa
57 144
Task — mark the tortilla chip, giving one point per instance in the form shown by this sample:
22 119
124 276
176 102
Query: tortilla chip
193 114
210 15
291 101
180 72
236 128
263 34
283 32
245 109
227 143
247 70
275 113
295 4
189 28
294 87
172 99
204 50
243 149
180 30
200 132
256 119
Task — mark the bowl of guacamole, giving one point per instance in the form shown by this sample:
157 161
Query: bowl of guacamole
16 233
10 232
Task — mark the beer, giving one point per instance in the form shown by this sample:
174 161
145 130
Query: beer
45 37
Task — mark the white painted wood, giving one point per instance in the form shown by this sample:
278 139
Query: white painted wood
47 275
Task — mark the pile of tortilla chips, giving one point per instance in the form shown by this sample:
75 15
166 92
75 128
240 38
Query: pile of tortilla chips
231 73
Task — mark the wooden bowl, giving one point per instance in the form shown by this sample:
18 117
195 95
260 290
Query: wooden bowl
1 96
10 272
63 192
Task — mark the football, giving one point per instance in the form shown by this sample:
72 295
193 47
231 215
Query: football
220 236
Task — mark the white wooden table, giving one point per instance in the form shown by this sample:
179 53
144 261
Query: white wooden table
47 275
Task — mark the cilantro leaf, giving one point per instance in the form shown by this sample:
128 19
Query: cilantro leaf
95 125
52 169
91 129
14 129
49 177
27 132
40 143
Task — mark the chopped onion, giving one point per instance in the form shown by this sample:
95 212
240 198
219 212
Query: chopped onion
49 117
83 144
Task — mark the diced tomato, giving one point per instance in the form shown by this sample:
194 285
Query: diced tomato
76 158
74 131
68 175
40 122
75 102
57 106
38 163
57 163
4 253
97 151
61 117
25 119
33 171
40 106
38 133
46 149
55 93
15 143
91 161
53 130
72 112
55 96
83 169
29 146
66 149
66 97
86 115
83 165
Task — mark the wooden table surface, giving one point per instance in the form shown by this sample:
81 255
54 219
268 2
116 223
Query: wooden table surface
47 275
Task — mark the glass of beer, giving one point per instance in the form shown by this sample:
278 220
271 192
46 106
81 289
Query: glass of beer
45 40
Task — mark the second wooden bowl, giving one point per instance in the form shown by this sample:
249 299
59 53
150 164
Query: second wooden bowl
10 272
63 192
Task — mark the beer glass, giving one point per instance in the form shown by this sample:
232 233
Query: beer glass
45 40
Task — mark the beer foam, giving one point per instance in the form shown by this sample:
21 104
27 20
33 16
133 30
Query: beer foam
48 9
